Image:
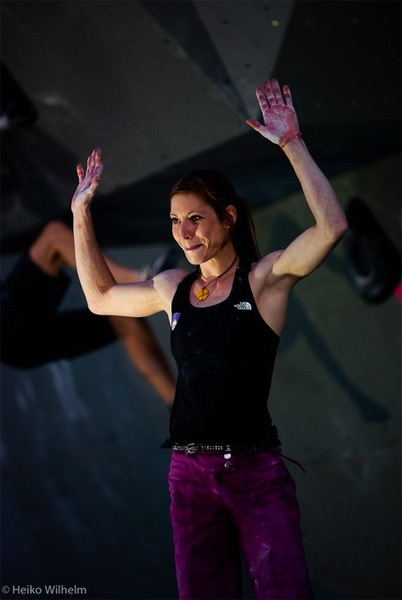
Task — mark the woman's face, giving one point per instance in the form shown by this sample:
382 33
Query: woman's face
196 227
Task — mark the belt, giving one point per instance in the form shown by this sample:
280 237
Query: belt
194 447
229 449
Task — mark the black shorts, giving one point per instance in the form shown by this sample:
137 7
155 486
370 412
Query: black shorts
33 332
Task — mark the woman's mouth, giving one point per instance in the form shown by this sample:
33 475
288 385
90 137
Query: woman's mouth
192 248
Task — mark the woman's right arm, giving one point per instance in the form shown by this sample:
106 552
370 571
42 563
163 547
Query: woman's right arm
103 294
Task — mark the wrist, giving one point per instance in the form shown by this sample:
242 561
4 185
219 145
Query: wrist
80 210
292 137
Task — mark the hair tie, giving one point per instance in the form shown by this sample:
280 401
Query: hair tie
294 136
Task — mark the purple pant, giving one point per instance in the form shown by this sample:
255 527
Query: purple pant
219 513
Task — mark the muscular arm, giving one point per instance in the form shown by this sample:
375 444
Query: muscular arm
104 295
281 127
310 248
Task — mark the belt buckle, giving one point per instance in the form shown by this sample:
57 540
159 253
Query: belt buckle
191 448
227 452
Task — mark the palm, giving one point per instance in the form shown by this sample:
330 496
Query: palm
88 181
279 122
280 119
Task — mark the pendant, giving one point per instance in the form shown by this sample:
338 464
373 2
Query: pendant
202 294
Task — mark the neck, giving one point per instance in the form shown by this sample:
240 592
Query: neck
220 274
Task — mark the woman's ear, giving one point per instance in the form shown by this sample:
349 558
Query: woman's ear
232 212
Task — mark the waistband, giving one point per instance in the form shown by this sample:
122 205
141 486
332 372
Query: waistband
195 447
229 449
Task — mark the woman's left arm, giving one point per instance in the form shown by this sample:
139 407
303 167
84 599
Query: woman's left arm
281 127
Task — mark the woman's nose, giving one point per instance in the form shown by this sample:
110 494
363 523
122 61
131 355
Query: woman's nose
185 231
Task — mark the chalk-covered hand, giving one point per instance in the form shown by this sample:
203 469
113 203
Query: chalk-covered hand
280 119
88 181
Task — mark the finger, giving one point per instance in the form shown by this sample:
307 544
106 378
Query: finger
276 90
255 125
93 159
95 182
98 159
262 99
98 171
287 95
80 173
269 93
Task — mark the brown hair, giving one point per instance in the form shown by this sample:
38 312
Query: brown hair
217 191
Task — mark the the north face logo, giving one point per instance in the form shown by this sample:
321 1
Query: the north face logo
243 306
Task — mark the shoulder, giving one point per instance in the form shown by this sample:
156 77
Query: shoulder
264 276
170 279
271 290
167 282
264 268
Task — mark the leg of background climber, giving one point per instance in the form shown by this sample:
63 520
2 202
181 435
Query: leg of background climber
30 314
147 355
54 248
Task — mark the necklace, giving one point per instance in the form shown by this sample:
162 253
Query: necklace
203 293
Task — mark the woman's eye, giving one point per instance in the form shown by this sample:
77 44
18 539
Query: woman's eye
174 221
195 218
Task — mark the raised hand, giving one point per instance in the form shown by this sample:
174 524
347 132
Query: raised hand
280 119
88 181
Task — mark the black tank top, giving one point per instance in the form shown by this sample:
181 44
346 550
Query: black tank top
225 356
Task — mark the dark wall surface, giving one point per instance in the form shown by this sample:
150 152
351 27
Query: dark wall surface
84 497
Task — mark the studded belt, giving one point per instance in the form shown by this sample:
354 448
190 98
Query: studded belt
194 447
229 449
